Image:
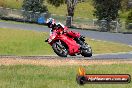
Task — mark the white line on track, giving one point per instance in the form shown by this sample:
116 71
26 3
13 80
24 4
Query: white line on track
109 42
113 53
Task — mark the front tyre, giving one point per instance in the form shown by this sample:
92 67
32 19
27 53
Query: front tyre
60 49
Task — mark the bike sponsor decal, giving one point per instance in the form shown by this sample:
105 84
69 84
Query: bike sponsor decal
83 78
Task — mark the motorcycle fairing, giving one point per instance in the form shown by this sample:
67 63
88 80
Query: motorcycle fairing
72 45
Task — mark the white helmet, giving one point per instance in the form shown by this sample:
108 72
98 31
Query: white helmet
50 22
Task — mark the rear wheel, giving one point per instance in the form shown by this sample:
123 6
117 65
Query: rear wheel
60 49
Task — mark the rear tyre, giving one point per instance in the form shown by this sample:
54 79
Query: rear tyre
87 52
60 49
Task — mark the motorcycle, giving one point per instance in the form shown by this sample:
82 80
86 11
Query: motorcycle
64 45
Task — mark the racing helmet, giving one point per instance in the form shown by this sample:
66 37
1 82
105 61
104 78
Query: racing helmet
50 22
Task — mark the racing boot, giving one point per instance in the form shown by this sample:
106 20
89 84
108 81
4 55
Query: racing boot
81 43
46 40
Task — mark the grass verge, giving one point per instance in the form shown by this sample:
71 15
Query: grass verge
22 42
108 47
31 76
25 42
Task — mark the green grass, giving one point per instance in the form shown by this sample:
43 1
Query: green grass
84 10
108 47
124 15
17 4
24 42
29 76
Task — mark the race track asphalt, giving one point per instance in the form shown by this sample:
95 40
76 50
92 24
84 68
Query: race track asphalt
105 36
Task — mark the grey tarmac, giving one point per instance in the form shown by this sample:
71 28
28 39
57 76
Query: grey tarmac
105 36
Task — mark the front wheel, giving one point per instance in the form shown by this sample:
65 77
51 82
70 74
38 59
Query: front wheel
60 49
87 52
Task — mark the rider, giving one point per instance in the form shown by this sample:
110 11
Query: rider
53 25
